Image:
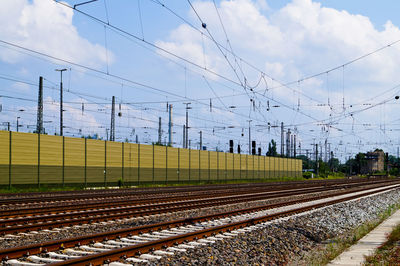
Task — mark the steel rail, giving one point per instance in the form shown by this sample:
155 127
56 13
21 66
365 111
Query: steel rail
71 242
51 221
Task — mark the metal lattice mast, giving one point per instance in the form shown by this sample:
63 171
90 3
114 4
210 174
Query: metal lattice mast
170 126
39 122
112 129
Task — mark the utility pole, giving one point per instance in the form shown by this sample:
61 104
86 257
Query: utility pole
18 123
291 146
39 121
184 137
112 129
249 136
326 150
288 143
201 140
294 146
170 125
61 101
320 154
159 130
282 141
187 125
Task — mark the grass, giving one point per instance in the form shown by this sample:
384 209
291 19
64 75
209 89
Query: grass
45 188
37 189
326 253
388 253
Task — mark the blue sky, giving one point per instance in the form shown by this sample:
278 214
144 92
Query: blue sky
270 43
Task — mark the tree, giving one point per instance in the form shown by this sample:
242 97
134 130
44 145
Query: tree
272 149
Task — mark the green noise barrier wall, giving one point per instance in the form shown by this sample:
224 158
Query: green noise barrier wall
34 159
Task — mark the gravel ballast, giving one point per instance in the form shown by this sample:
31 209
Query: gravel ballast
287 240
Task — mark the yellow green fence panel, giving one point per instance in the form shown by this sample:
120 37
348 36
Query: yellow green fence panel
256 163
237 166
194 157
4 157
51 159
114 162
74 161
184 165
221 169
24 154
229 166
173 164
146 163
213 159
44 159
131 163
204 173
160 163
243 166
95 170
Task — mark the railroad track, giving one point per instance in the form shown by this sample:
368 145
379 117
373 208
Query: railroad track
132 245
51 220
24 200
125 200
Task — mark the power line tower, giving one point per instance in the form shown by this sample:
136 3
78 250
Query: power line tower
112 129
288 143
170 125
159 130
39 122
61 101
186 141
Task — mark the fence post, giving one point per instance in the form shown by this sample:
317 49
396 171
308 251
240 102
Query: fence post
240 166
38 166
179 165
123 161
138 169
10 161
153 165
233 166
105 163
218 165
209 176
166 164
226 167
63 161
247 166
85 173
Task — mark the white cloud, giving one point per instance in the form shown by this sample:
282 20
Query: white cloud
300 39
45 26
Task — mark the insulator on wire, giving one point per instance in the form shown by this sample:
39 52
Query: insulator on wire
210 105
83 108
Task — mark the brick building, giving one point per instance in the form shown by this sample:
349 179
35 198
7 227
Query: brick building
375 162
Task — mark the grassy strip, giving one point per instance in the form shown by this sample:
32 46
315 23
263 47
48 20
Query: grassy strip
388 253
41 189
52 188
326 253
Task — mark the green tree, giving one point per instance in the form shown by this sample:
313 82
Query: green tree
272 149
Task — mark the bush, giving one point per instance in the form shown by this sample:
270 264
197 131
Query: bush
307 175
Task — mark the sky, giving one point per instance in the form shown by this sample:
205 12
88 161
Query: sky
326 69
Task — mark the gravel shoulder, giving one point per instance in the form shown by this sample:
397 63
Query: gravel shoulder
288 241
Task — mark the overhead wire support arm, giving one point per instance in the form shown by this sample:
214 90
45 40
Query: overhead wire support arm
84 3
